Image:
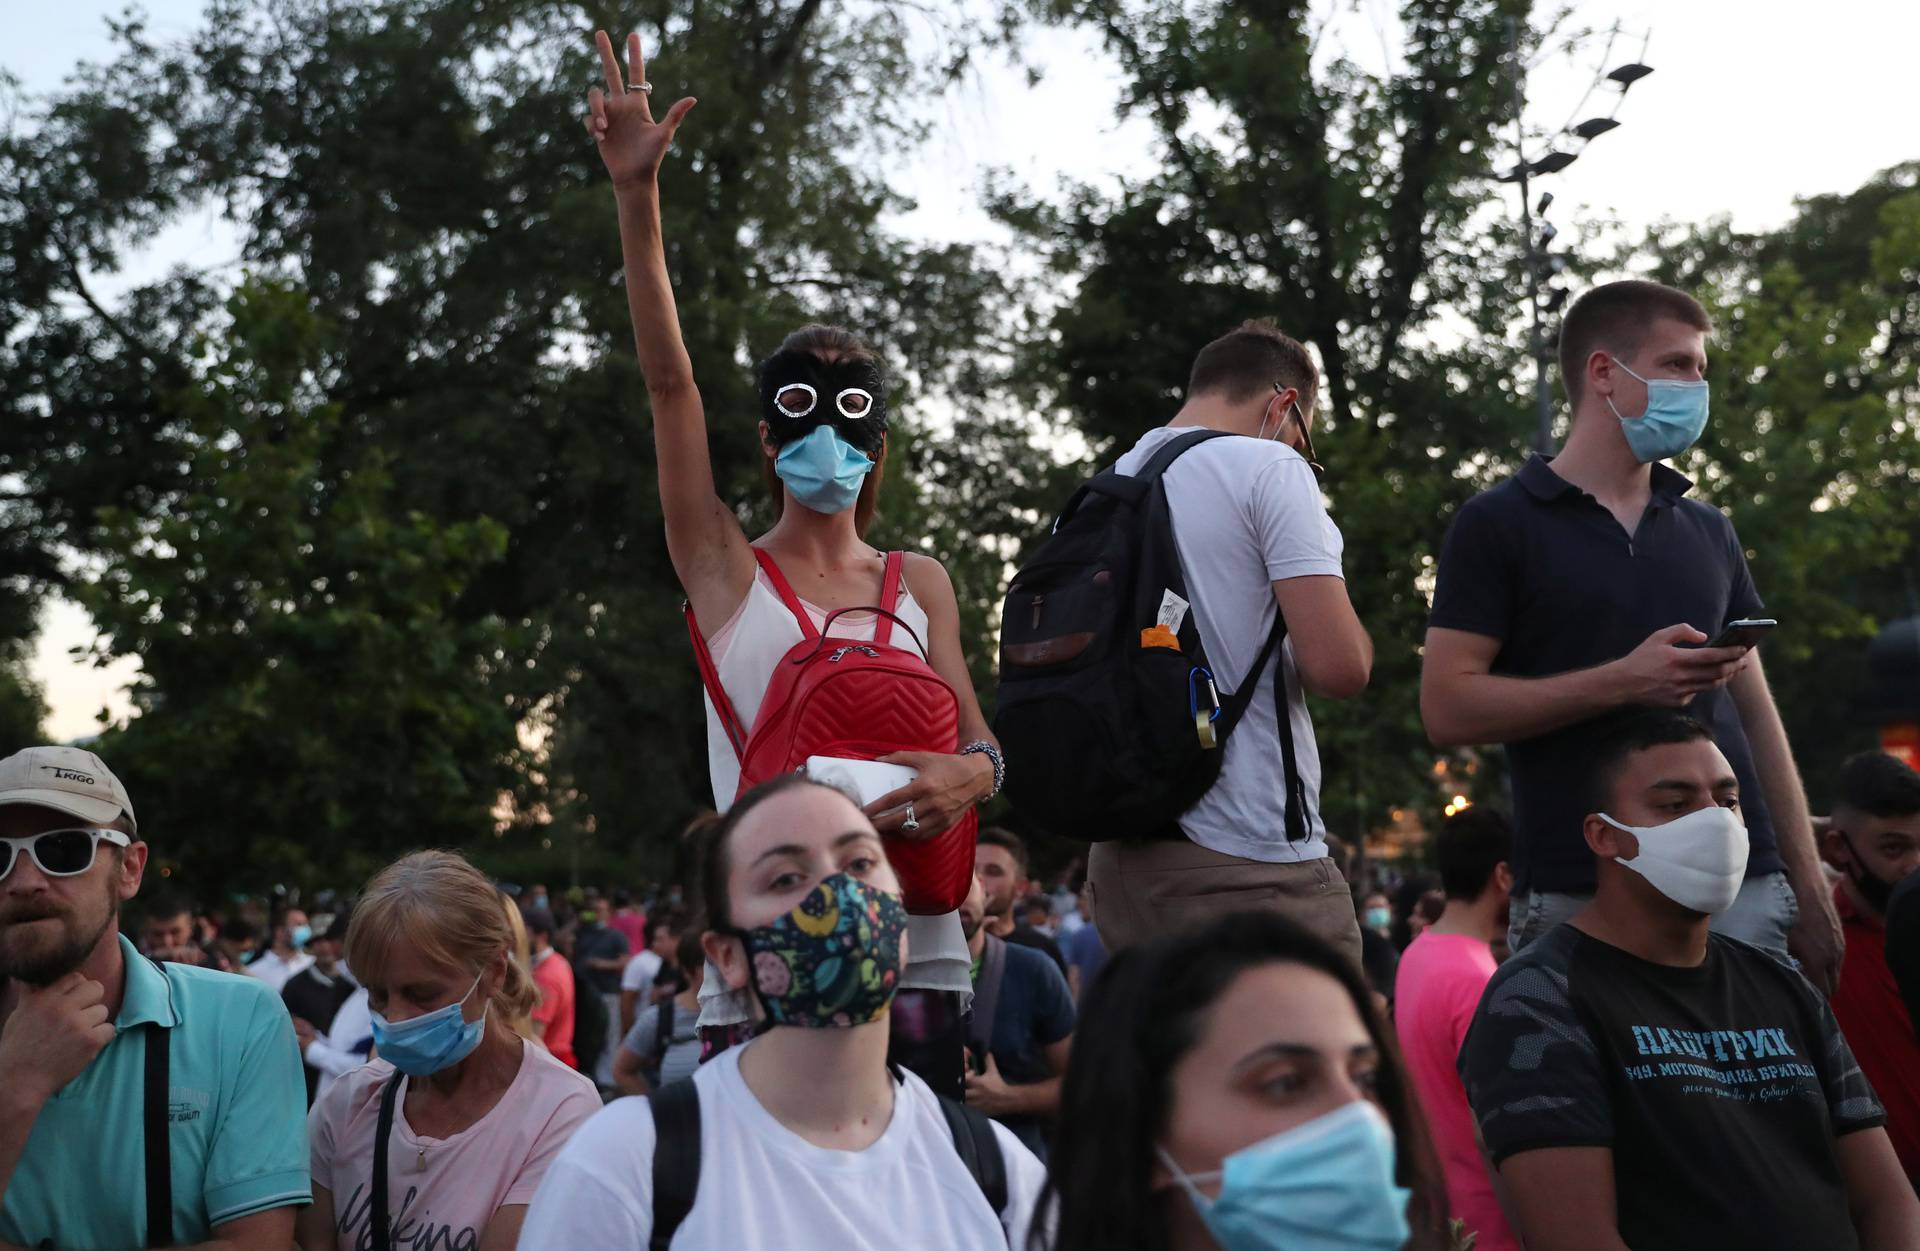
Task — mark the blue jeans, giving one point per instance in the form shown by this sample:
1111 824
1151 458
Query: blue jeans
1762 913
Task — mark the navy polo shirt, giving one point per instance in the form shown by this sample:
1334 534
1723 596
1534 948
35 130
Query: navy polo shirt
1543 567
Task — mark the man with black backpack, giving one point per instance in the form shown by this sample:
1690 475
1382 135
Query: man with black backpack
1139 707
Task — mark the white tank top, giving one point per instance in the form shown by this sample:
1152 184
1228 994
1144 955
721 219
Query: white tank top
744 651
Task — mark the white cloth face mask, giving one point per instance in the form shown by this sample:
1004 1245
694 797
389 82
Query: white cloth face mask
1698 860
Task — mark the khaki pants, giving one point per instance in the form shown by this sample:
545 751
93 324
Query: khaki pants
1141 890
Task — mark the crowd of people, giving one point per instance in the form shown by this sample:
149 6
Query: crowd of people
1662 1006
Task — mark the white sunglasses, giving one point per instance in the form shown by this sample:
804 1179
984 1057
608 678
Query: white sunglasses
61 853
853 403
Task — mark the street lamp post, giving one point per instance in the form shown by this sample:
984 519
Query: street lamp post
1543 299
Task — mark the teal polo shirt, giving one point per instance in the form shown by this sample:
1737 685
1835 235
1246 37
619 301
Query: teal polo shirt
237 1110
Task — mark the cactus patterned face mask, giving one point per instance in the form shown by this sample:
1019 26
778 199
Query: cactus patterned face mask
834 961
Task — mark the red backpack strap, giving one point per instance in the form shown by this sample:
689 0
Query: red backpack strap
710 678
787 597
889 599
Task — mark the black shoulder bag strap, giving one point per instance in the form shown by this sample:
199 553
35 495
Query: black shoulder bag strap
663 1034
676 1157
986 993
382 1219
158 1149
979 1150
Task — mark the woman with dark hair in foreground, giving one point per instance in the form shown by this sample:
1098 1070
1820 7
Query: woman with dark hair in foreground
1232 1088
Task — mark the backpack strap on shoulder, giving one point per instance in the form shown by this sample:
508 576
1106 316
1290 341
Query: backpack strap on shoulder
787 597
889 599
1173 449
710 678
676 1157
979 1150
158 1147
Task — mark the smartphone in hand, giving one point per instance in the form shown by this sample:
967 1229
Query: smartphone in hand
1746 632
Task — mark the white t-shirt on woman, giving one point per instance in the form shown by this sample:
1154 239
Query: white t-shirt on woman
764 1188
442 1192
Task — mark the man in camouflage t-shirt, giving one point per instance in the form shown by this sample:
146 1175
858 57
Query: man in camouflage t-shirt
1640 1083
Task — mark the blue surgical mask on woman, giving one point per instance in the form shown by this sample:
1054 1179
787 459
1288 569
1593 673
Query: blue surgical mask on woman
301 936
1676 414
823 470
430 1042
1326 1185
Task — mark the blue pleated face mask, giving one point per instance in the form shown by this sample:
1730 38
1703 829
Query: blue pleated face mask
1675 417
823 470
1326 1185
431 1042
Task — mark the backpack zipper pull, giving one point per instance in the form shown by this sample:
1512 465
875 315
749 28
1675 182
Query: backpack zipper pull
1038 600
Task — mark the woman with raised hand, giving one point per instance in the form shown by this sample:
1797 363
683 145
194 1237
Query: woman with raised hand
823 434
441 1140
1232 1089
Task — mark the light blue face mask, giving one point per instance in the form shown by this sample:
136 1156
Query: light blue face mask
1676 414
301 936
426 1044
1326 1185
823 470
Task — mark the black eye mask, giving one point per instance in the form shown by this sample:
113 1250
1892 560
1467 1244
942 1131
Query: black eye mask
799 393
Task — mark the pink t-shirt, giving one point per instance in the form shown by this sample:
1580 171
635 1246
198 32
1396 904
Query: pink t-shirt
441 1192
1438 987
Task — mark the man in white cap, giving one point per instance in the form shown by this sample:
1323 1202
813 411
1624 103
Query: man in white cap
140 1104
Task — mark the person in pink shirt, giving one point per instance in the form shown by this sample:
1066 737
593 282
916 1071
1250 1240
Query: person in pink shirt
553 978
441 1141
1442 974
629 920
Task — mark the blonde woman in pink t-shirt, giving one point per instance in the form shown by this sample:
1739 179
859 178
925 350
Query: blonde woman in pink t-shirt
465 1113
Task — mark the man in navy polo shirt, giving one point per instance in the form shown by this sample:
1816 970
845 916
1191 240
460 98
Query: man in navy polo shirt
141 1104
1588 582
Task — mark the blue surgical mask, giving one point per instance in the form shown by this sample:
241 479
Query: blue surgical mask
1326 1185
823 470
302 935
426 1044
1676 414
1378 918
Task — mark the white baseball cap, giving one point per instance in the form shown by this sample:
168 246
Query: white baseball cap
65 779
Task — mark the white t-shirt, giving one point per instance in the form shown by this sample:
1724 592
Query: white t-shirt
640 973
277 971
442 1192
764 1188
1247 513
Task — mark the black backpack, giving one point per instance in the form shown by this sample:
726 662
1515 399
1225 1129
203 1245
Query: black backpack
676 1155
1108 713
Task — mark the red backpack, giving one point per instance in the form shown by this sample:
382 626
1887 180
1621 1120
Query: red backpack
858 700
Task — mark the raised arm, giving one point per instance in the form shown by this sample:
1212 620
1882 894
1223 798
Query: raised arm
709 550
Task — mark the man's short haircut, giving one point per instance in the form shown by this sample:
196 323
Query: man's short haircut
687 951
1875 784
1469 847
1619 738
166 907
540 921
1011 843
1246 361
1615 317
663 919
239 930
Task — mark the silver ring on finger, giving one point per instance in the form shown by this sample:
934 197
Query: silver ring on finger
912 823
645 89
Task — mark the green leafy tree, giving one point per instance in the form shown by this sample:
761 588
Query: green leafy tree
339 711
417 170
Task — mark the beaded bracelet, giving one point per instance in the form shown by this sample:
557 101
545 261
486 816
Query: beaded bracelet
982 747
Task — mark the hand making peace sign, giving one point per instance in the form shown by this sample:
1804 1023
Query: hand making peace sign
631 143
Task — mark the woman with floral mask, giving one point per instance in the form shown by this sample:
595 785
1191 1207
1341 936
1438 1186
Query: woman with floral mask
823 433
805 1136
441 1140
1265 1108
